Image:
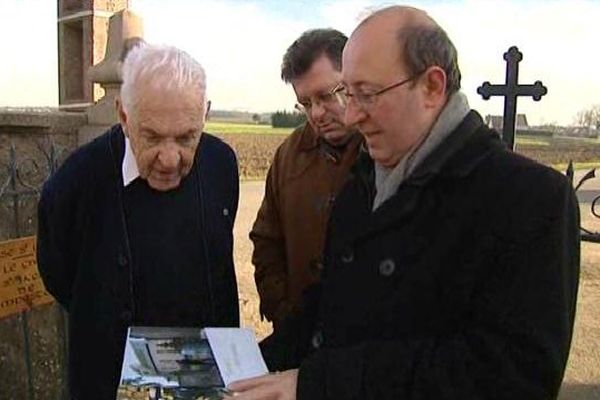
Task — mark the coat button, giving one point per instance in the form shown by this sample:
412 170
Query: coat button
387 267
122 260
317 340
347 255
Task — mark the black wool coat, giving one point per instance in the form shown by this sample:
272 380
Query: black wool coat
462 285
85 258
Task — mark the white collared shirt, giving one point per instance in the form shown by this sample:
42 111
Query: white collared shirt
129 168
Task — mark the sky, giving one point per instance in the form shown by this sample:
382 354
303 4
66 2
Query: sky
240 43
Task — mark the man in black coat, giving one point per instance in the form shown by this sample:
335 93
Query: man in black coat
452 264
135 228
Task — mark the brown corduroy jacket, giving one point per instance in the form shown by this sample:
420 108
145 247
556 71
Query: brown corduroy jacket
289 231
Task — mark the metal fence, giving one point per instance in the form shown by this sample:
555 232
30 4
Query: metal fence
587 235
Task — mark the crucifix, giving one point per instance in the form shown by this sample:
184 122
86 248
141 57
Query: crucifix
511 90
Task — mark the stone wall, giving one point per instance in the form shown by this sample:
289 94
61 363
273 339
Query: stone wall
31 133
32 345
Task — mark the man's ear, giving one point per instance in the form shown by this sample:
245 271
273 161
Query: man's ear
122 115
434 80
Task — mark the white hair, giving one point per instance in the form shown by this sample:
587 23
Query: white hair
163 68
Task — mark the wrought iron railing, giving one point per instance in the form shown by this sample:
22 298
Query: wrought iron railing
587 235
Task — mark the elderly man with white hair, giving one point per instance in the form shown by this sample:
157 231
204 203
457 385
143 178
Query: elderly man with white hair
135 228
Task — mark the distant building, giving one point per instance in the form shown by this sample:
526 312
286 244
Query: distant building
582 131
496 122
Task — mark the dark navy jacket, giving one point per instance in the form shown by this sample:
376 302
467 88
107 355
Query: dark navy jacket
85 258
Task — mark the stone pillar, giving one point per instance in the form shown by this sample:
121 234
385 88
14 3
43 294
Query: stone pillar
82 32
124 32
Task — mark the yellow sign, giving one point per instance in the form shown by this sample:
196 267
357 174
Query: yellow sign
21 287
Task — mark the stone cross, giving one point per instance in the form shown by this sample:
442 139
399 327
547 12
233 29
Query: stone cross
511 90
125 31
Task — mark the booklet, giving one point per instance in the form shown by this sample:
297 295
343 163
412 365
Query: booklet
187 363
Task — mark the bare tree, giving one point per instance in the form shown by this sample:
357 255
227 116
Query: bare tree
589 117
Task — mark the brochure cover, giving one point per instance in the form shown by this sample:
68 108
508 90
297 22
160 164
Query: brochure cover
186 363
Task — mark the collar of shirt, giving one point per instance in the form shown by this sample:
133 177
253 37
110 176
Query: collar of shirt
129 167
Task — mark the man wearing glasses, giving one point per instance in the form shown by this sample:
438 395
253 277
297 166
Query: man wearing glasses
451 265
308 170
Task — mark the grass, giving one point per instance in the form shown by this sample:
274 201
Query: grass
562 167
256 145
237 128
534 141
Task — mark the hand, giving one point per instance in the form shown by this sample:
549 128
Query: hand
275 386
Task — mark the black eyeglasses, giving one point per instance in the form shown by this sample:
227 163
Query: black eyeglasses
366 100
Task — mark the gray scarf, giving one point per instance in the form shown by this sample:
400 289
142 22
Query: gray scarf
388 180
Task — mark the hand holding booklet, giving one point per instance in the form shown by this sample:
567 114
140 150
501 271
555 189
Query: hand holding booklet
187 363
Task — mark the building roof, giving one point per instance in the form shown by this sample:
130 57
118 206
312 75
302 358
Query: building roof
496 121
